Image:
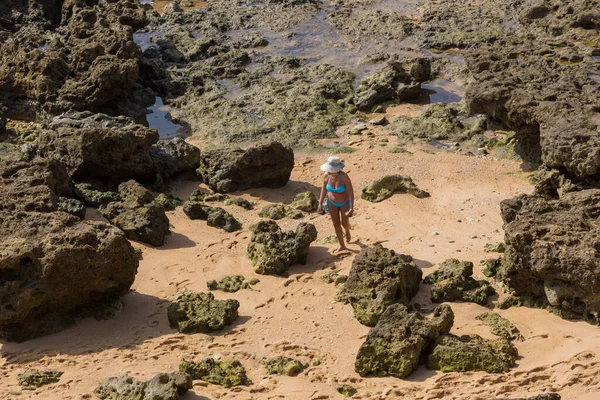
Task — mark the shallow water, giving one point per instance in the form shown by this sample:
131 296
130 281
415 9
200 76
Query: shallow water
443 91
144 39
158 119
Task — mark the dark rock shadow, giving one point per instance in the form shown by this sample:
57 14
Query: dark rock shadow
177 241
229 330
143 317
421 374
360 244
423 263
319 259
191 395
284 194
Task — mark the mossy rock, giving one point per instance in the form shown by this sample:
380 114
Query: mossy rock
498 247
282 365
279 211
500 326
201 313
168 201
331 239
346 390
471 353
453 281
231 284
197 196
161 387
93 196
334 277
223 373
214 216
491 266
32 379
305 201
240 202
385 187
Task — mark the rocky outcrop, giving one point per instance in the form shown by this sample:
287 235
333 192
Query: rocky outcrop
454 281
98 146
34 378
279 211
214 216
93 195
395 345
399 81
71 206
161 387
385 187
273 251
226 170
201 313
174 157
305 201
138 215
54 268
223 373
471 353
551 251
379 278
282 365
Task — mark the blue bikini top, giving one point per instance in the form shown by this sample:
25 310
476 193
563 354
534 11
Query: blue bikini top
339 189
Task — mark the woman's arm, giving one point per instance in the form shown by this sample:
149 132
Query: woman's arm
350 190
323 193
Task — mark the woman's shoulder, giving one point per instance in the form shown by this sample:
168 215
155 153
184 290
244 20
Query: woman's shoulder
346 177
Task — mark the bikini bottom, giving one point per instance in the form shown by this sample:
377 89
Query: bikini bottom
338 205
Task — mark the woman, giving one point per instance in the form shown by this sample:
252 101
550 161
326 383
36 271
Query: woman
340 198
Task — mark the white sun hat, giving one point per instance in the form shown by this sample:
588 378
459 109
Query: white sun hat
333 164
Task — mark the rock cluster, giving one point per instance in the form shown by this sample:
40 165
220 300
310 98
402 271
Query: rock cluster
282 365
201 313
174 157
224 373
279 211
34 378
385 187
161 387
231 284
454 281
214 216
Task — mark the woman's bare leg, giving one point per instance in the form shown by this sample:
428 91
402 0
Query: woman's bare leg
335 218
346 222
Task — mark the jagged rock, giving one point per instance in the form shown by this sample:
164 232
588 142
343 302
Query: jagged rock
305 201
240 202
174 157
334 277
273 251
279 211
346 390
71 206
453 281
34 378
394 346
224 373
252 39
385 187
138 215
498 247
398 81
161 387
227 170
214 216
201 313
471 353
379 277
500 326
543 396
491 266
550 254
282 366
168 201
92 194
231 283
89 150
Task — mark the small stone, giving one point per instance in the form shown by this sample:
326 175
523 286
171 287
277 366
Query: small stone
379 120
32 379
498 247
224 373
377 109
346 390
283 366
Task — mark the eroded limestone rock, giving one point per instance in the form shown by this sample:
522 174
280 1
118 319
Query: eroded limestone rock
305 201
214 216
453 281
282 365
224 373
500 326
201 313
34 378
231 284
385 187
161 387
279 211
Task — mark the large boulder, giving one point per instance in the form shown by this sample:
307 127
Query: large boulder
379 277
174 157
454 281
395 345
138 215
98 146
552 251
273 251
226 170
161 387
201 313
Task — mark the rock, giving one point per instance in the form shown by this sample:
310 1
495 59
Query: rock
550 251
32 379
400 81
226 170
240 202
201 313
161 387
138 215
394 346
214 216
453 282
92 194
346 390
543 396
172 7
167 201
89 150
500 326
379 277
498 247
383 188
273 251
378 120
229 284
224 373
305 201
491 266
471 353
174 157
334 277
279 211
252 39
71 206
282 365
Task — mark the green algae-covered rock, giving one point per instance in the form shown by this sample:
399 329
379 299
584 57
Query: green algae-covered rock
224 373
346 390
214 216
32 379
385 187
379 277
453 282
161 387
231 283
279 211
240 202
273 251
93 195
394 346
491 266
305 201
498 247
334 277
500 326
282 365
201 313
167 201
471 353
378 120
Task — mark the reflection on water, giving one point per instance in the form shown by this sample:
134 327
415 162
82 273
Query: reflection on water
443 91
158 119
406 7
233 90
144 39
